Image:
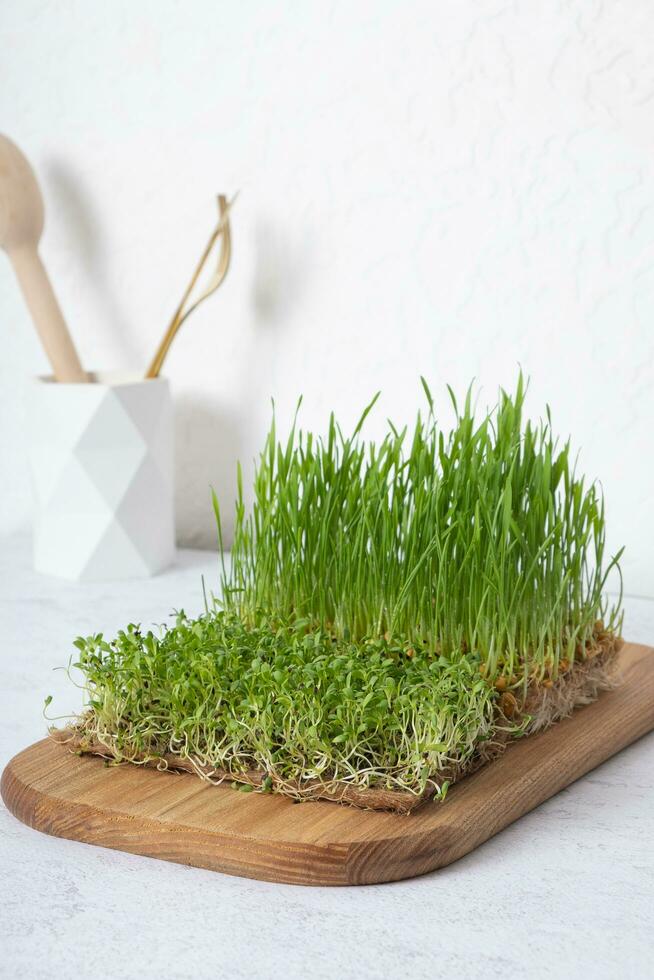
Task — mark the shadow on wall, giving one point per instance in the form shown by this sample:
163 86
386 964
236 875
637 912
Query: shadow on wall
280 271
79 217
208 441
209 437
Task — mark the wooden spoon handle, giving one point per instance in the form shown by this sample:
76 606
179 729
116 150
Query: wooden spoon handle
49 322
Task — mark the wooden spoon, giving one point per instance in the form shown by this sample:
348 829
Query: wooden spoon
21 224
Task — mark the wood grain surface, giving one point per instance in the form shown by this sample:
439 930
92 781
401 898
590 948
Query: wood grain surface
177 817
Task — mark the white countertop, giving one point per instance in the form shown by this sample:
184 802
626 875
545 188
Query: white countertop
568 889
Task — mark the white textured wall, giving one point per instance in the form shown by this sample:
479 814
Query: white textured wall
442 187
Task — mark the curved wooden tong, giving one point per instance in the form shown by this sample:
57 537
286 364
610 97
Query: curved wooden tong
182 313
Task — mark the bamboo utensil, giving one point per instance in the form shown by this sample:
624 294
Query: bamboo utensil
183 312
21 225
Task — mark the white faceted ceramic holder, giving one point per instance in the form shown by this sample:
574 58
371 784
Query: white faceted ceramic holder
101 456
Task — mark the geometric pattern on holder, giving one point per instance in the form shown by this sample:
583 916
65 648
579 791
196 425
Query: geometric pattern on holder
101 460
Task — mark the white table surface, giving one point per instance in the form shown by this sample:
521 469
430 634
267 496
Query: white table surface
566 891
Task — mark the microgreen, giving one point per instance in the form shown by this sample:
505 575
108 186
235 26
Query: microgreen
378 599
485 539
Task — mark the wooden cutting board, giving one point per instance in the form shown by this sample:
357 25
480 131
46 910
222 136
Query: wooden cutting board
177 817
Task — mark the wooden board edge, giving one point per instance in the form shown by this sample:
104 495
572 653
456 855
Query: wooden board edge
227 854
373 861
456 839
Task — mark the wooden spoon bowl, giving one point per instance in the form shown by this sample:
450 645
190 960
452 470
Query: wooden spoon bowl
21 204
